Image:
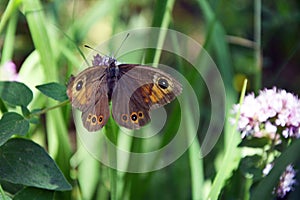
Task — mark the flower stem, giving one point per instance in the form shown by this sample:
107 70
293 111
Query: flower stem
257 47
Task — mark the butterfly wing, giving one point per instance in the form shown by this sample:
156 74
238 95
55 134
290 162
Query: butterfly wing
88 93
138 90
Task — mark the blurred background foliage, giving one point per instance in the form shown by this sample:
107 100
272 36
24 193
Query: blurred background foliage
246 39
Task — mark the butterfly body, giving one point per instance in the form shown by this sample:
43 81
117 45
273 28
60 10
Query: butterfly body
133 90
112 76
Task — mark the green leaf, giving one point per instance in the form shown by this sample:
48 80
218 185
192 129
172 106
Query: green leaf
254 142
25 162
249 165
54 90
12 123
15 93
30 193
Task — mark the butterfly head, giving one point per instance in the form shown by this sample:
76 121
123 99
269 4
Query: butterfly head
104 61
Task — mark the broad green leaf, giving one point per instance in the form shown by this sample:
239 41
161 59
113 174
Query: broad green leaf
25 162
15 93
12 123
34 194
54 90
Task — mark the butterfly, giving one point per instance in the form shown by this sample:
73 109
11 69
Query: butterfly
133 89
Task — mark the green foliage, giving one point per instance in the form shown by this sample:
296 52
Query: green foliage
12 123
10 92
26 163
54 90
31 193
23 162
43 38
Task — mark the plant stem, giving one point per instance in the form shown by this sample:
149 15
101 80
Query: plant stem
163 32
50 108
257 47
218 182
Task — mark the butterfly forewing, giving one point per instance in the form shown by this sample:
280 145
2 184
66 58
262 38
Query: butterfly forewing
88 93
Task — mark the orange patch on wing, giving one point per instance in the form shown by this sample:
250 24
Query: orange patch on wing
157 94
146 92
152 93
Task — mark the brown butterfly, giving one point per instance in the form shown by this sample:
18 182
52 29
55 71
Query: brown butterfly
133 90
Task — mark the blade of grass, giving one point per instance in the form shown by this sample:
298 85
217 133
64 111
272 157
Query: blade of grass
10 9
117 178
166 19
112 133
196 164
37 25
257 49
194 151
8 46
125 143
162 18
215 42
58 143
88 171
228 159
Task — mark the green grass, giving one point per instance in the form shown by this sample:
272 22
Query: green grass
57 29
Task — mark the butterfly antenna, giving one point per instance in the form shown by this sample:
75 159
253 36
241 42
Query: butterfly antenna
116 53
82 54
89 47
74 44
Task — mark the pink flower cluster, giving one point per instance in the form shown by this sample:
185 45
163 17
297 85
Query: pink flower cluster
8 72
273 111
287 180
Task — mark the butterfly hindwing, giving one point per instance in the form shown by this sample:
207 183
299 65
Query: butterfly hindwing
97 114
127 110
